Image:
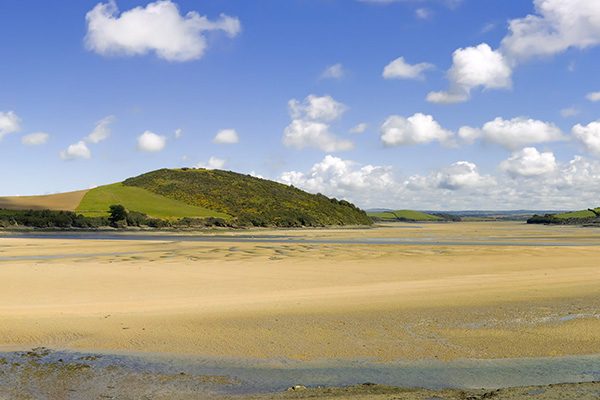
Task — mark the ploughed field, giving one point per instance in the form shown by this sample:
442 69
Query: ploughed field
441 292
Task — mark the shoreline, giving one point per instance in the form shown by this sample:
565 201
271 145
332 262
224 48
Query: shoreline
118 375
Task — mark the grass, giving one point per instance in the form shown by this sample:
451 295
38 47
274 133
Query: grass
582 214
96 202
249 200
408 215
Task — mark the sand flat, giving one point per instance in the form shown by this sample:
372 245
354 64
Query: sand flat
309 301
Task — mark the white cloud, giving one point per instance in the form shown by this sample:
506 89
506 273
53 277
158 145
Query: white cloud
226 136
589 136
416 129
447 97
459 186
158 28
461 175
400 69
423 13
569 112
593 96
304 133
150 142
469 134
556 26
310 124
75 151
490 26
9 123
101 131
334 176
335 71
519 132
317 108
359 128
529 162
474 67
212 163
35 139
178 133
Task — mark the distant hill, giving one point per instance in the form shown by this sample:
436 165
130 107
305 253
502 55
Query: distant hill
188 193
403 215
589 216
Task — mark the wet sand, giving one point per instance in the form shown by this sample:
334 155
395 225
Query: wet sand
312 301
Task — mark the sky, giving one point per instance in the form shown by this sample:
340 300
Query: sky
426 104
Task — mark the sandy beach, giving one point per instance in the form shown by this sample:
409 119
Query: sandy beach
310 301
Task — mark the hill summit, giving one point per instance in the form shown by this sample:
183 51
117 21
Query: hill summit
248 200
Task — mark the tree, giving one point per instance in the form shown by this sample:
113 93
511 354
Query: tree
117 213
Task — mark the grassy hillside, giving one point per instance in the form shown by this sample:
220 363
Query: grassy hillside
567 218
581 214
96 202
249 200
403 215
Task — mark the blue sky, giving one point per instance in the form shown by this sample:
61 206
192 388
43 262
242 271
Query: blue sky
524 90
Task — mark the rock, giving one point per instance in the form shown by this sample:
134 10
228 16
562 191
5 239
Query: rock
296 388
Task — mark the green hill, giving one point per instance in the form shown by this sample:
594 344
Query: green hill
568 218
581 214
184 197
95 203
246 199
404 215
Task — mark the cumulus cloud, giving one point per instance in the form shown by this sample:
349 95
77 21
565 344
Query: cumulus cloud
80 149
529 162
460 175
178 133
589 136
317 108
302 133
459 186
159 28
310 124
556 26
337 177
226 136
416 129
593 96
9 123
212 163
400 69
474 67
77 150
101 131
150 142
469 134
35 139
335 71
359 128
513 133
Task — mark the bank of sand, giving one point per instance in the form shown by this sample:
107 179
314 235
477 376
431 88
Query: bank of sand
309 301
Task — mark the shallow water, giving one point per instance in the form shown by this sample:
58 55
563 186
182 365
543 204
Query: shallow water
430 241
229 376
